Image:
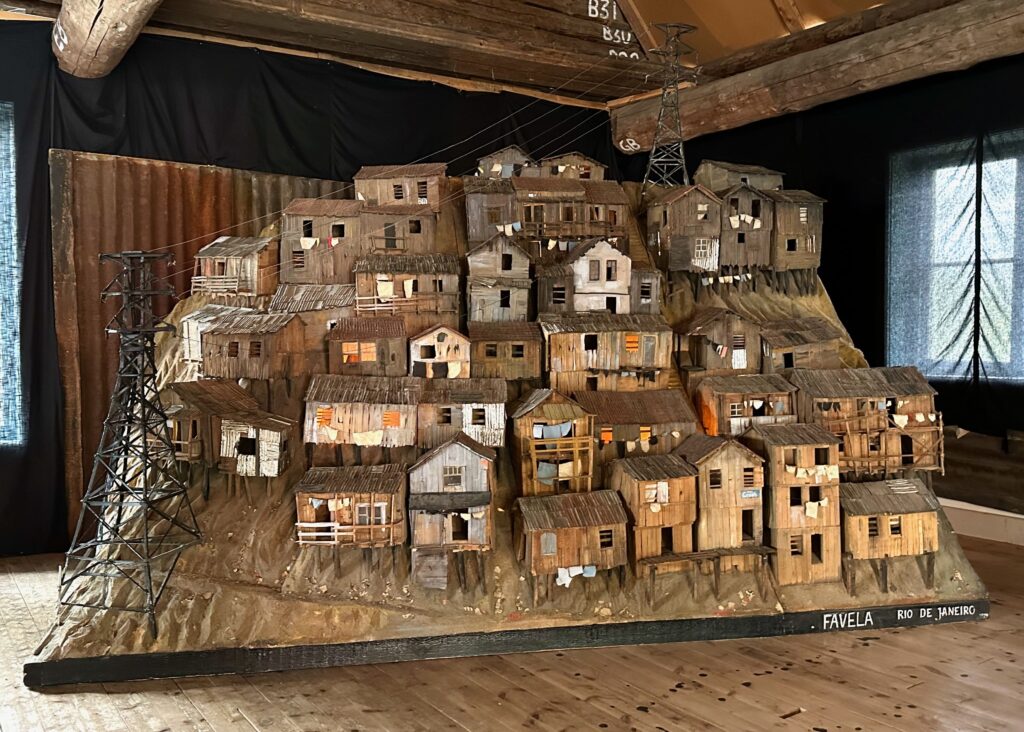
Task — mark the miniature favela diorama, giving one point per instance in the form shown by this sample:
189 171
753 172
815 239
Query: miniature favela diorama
529 398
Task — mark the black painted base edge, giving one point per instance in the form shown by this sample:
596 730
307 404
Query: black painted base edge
286 658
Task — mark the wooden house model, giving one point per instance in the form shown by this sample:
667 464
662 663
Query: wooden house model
644 287
806 343
423 289
636 423
361 506
409 228
236 265
550 210
717 342
599 351
796 229
254 346
730 405
889 518
512 351
368 347
607 208
802 500
730 482
320 240
553 444
416 183
219 424
660 492
885 418
377 411
571 535
319 308
499 281
504 163
447 407
684 227
595 276
746 240
490 208
450 506
439 352
196 323
574 165
716 175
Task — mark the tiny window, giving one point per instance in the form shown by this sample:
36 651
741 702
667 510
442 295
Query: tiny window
595 270
337 231
702 212
453 475
568 214
611 270
790 245
428 351
803 214
255 349
744 179
872 525
814 493
702 248
299 259
816 556
438 285
421 189
505 298
363 514
739 342
585 172
741 238
380 513
632 342
246 446
558 295
796 546
821 456
460 527
415 226
444 415
307 228
842 444
398 191
795 496
590 342
548 543
736 409
645 434
493 216
715 478
479 416
787 359
391 418
895 525
664 216
789 456
606 434
646 291
650 494
734 206
518 350
874 443
506 262
755 208
607 538
748 478
490 350
233 349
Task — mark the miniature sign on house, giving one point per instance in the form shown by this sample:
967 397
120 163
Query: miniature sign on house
320 240
553 439
416 183
360 506
450 406
422 289
254 346
499 281
716 175
660 492
598 351
368 347
684 226
450 509
801 461
236 265
511 351
730 405
807 343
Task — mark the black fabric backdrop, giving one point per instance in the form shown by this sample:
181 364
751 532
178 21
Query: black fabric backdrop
203 103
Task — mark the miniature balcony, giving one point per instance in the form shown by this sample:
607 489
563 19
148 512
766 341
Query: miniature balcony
388 243
222 284
188 450
739 425
429 303
871 422
329 533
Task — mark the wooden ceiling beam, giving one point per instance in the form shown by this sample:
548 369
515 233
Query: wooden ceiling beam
90 37
640 26
789 14
950 38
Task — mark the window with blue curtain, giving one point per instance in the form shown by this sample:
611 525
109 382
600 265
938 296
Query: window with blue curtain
955 298
12 418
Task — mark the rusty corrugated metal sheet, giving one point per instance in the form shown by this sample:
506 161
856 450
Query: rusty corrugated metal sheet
105 203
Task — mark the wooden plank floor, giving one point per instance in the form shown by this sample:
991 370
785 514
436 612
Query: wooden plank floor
964 676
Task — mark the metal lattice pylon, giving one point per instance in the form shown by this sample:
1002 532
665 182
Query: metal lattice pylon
136 516
667 163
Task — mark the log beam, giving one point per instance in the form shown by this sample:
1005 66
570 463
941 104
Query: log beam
950 37
90 37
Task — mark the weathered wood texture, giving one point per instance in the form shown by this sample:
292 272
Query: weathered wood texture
90 37
439 353
945 39
684 230
110 203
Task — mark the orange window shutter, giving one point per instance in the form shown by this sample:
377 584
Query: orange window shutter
324 415
392 419
606 434
632 342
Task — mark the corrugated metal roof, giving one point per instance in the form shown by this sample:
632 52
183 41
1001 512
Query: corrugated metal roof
867 383
793 195
794 434
673 194
655 467
346 207
335 389
211 311
740 167
505 331
605 191
479 184
389 478
235 246
697 448
412 170
227 400
460 439
408 263
367 328
250 323
884 497
571 510
798 332
663 406
600 322
304 298
748 384
536 400
464 391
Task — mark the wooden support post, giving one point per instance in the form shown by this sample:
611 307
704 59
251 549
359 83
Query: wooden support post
718 575
90 37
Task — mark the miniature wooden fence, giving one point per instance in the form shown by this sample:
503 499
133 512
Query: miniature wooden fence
215 283
329 533
399 305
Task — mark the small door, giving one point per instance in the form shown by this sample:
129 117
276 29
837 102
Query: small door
591 383
666 540
611 304
787 360
650 347
907 449
747 524
390 241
